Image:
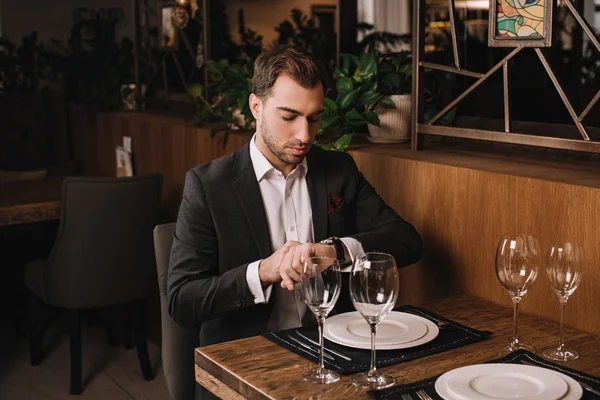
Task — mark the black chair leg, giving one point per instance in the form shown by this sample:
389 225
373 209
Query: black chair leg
127 326
75 327
139 335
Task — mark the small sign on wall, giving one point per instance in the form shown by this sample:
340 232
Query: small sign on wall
124 162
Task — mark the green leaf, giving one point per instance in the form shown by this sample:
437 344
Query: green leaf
340 73
346 99
368 98
195 90
372 118
327 122
368 64
393 80
367 67
448 118
325 146
387 102
342 143
329 104
348 61
385 67
354 116
429 114
243 101
228 116
344 85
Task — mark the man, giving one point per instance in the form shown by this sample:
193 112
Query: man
248 220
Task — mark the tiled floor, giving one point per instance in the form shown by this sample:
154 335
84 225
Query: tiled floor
109 373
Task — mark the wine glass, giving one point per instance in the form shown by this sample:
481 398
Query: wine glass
321 285
374 290
563 270
517 263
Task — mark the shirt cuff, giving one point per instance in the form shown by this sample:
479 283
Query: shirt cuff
253 280
355 250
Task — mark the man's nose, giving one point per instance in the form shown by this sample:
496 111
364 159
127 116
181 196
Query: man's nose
303 131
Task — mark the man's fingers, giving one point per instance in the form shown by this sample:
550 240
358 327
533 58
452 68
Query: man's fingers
291 243
286 282
297 261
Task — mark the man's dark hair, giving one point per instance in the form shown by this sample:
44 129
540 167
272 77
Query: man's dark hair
283 59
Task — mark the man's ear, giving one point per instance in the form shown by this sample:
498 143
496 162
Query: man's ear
255 105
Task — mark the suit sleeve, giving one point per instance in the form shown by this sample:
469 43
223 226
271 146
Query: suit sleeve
380 228
196 290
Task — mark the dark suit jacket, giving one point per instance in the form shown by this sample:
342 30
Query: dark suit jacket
222 227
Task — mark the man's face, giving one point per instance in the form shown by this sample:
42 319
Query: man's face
287 121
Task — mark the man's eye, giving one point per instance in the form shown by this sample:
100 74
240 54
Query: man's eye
287 118
314 120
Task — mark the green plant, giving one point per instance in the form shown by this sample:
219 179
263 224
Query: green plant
363 84
228 92
394 75
251 42
303 33
31 66
379 41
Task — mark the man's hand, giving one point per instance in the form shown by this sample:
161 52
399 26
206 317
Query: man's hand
292 264
268 269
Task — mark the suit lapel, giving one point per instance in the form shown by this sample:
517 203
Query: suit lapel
248 193
317 189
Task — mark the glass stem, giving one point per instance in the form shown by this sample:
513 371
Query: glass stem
563 304
320 321
515 339
373 370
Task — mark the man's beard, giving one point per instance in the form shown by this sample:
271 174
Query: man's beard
271 143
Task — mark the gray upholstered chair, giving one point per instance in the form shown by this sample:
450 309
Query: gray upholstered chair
178 343
103 256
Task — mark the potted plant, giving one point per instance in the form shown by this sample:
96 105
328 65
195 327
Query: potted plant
226 106
393 80
354 106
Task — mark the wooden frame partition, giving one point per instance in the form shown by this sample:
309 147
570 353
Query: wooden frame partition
421 127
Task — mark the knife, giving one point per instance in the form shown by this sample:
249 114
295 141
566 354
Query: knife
329 350
311 348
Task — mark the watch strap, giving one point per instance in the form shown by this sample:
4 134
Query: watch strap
339 248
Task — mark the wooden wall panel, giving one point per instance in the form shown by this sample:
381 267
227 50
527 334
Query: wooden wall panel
460 203
160 144
461 214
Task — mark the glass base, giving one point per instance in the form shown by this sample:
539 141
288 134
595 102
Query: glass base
378 381
560 355
322 375
510 348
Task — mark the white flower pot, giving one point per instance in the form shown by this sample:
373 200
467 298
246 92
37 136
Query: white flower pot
394 122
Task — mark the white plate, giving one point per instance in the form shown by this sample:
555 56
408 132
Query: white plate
506 381
397 330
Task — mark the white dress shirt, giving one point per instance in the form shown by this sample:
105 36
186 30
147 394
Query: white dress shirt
289 217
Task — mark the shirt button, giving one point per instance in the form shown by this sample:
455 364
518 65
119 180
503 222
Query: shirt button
292 229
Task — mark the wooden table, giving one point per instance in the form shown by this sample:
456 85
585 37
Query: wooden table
257 368
30 201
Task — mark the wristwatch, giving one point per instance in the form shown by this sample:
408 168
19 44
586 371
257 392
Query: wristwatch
339 248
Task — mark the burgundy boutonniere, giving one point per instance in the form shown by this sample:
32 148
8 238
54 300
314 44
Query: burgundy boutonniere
335 204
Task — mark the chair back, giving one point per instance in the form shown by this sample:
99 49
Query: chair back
103 254
178 343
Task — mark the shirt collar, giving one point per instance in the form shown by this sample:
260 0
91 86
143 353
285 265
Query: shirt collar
262 166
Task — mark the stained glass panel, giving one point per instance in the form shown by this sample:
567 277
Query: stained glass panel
520 18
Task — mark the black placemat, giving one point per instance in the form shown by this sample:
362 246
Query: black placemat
452 334
517 357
